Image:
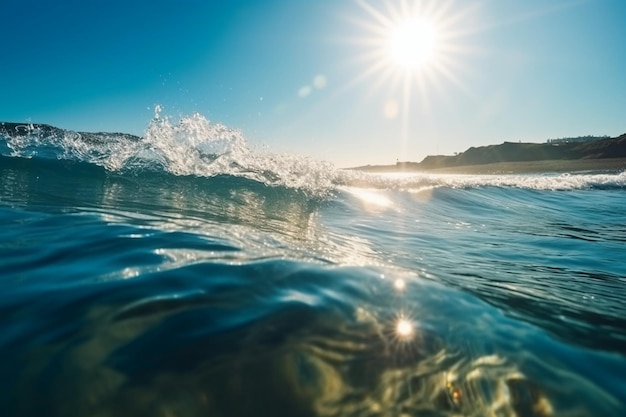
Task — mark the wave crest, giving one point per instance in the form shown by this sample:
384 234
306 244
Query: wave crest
193 146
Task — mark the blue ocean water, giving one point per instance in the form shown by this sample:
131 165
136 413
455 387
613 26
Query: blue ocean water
185 274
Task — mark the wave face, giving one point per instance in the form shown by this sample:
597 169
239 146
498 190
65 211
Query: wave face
184 273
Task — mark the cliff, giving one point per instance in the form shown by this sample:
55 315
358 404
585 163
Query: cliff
529 152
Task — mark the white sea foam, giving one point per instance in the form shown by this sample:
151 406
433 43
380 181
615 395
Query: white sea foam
420 181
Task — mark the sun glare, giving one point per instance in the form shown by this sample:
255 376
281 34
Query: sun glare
404 329
409 50
409 46
412 43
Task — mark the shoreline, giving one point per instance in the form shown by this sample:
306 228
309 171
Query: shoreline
527 167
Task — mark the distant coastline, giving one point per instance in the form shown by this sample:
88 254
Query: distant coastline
20 129
606 154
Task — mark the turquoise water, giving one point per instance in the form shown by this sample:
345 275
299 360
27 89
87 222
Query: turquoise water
186 274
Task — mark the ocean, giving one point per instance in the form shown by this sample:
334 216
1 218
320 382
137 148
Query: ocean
189 274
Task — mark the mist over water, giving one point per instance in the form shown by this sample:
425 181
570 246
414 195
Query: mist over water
186 274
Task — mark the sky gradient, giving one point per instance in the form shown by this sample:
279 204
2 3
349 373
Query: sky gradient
310 77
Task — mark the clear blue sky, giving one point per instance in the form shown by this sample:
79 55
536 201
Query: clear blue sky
311 77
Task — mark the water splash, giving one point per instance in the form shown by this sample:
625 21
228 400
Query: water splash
193 146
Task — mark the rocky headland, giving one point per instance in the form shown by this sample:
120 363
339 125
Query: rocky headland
599 154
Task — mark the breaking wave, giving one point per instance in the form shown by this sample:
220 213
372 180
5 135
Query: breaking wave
194 146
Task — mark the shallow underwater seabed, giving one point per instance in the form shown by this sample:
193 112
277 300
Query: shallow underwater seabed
188 276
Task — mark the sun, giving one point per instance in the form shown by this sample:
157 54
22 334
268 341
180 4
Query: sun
408 54
412 43
409 46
